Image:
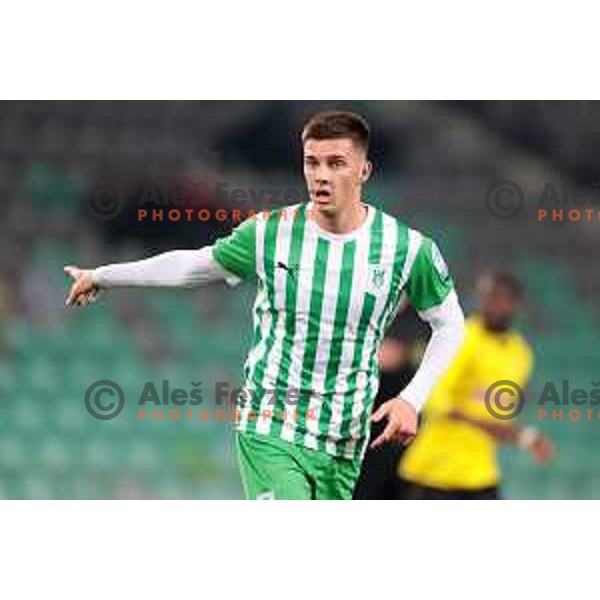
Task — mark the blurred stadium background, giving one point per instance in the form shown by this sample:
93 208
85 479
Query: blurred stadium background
434 163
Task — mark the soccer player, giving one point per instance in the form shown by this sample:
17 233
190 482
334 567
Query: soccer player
454 455
330 274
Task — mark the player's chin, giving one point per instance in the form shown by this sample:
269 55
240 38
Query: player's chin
325 204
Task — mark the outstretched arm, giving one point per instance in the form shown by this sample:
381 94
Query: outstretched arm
178 268
527 438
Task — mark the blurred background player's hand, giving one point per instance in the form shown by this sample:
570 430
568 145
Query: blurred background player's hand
542 450
401 422
83 290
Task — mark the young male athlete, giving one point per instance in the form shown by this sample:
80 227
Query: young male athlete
330 275
454 457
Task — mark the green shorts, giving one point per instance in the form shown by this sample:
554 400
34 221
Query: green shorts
273 469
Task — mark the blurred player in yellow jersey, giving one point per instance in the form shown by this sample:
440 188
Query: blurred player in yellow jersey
454 455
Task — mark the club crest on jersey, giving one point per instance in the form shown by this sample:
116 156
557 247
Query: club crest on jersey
377 278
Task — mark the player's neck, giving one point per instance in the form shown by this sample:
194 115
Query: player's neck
345 221
497 326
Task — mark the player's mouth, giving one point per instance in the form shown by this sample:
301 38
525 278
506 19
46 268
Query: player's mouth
322 195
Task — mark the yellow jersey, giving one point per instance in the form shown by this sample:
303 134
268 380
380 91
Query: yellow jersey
450 454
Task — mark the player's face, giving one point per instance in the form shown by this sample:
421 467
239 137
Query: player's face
335 171
499 307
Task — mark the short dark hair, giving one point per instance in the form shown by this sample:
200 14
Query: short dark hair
338 124
504 280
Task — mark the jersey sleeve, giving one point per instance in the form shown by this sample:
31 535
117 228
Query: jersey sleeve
429 282
237 252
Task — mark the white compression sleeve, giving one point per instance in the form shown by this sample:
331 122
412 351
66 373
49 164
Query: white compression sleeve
178 268
447 323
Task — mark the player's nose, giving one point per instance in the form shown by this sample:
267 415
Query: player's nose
322 175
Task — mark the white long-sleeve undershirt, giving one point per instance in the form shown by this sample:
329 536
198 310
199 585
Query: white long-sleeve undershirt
190 268
447 323
178 268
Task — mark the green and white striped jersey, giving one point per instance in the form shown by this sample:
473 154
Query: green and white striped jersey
322 306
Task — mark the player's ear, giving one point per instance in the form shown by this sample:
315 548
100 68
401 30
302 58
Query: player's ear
366 171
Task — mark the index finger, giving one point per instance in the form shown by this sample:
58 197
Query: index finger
385 436
73 294
71 270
